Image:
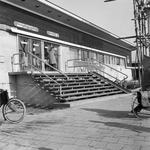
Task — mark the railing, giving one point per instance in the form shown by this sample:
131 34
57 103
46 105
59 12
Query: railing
37 69
32 66
87 65
112 69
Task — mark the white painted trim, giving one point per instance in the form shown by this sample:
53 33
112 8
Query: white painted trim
15 30
82 20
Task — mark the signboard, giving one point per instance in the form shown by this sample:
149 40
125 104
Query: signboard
53 34
26 26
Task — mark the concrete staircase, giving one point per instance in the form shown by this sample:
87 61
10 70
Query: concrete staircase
79 86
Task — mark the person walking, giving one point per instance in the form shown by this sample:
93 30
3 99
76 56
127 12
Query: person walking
52 56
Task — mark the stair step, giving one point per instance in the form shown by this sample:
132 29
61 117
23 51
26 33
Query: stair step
68 74
73 84
84 89
77 86
64 78
88 92
70 81
90 96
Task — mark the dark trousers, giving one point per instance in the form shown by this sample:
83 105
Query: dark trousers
140 106
53 65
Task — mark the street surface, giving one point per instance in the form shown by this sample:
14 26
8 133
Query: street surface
103 125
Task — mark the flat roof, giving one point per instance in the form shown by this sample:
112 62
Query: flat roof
49 10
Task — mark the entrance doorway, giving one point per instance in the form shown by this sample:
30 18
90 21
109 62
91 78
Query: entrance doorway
26 60
23 53
51 56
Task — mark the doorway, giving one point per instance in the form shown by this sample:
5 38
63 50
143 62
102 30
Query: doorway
51 56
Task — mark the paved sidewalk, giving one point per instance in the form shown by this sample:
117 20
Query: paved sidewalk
103 125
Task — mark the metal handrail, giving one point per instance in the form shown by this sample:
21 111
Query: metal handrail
89 63
126 76
12 61
66 63
44 74
48 64
41 61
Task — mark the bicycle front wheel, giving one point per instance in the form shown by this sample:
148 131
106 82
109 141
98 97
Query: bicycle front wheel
14 111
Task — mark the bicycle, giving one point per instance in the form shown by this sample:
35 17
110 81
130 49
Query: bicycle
13 109
141 105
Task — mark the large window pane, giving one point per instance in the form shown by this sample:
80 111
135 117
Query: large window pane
36 51
23 53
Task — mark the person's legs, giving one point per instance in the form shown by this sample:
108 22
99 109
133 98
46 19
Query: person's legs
138 108
53 65
139 100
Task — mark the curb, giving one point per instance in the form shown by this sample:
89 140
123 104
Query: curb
87 101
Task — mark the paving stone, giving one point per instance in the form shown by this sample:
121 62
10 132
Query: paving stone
137 138
84 148
126 141
41 137
68 147
68 140
114 146
82 142
54 146
145 148
142 143
96 126
25 148
10 147
110 140
97 144
3 144
131 148
54 138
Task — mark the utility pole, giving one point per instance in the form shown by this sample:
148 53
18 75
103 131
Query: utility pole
141 19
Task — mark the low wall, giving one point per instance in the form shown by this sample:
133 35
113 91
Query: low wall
31 93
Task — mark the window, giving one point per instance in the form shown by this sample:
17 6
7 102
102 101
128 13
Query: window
121 61
118 61
111 60
74 54
24 48
93 55
107 59
27 46
100 58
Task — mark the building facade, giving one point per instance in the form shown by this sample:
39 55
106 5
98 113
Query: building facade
32 26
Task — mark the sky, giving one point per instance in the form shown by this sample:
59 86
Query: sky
115 17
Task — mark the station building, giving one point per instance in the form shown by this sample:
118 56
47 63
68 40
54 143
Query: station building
29 27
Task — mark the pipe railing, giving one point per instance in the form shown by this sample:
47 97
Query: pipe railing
90 65
37 69
39 60
60 87
48 65
123 74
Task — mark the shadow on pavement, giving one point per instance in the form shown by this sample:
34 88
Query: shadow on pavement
111 113
1 122
134 128
42 148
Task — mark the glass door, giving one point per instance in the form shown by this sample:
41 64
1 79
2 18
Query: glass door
23 53
51 56
36 51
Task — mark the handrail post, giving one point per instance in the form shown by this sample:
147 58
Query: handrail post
12 62
60 91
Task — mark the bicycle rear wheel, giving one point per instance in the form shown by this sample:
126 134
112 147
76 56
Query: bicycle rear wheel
143 114
14 111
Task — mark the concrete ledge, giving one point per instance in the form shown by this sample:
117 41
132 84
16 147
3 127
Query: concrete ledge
87 101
